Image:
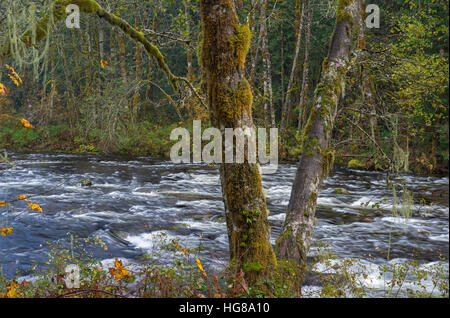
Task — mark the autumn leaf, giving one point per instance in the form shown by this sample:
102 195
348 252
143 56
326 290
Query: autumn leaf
15 74
2 89
22 197
26 123
34 206
2 204
119 271
14 80
11 290
5 231
199 264
103 64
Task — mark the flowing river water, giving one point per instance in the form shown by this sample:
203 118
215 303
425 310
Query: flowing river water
184 201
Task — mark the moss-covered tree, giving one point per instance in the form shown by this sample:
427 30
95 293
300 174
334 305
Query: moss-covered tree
317 157
223 49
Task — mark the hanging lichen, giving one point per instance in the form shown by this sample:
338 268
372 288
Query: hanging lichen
23 31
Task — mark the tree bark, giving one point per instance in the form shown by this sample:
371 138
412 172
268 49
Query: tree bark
254 49
286 111
267 73
317 158
305 78
368 89
122 52
223 48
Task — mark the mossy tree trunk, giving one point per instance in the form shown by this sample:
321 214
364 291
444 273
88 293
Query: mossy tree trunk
316 158
224 45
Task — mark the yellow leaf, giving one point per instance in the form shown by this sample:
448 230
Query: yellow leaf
14 80
14 73
11 290
22 197
2 89
5 231
26 123
34 206
2 204
119 271
199 264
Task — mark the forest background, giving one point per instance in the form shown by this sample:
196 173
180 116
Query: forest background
93 90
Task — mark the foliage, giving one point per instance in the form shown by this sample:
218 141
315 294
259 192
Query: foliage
185 276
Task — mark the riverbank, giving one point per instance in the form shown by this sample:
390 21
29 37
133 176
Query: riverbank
147 139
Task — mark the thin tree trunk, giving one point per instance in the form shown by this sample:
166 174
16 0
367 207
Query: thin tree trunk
189 53
282 69
52 92
101 45
138 57
305 78
225 43
267 74
254 49
316 158
285 113
367 86
123 66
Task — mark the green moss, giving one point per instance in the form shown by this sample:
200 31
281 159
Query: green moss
355 163
251 219
232 104
289 275
250 216
241 43
286 234
310 146
252 267
325 64
341 13
327 161
340 191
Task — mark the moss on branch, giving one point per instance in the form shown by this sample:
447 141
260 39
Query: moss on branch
91 6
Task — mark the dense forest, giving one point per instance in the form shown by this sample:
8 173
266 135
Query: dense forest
92 89
348 83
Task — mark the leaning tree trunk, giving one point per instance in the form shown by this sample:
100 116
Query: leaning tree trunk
316 158
224 45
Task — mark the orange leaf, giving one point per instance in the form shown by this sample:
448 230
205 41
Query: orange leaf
26 123
5 231
34 206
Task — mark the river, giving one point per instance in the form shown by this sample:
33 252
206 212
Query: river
184 202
